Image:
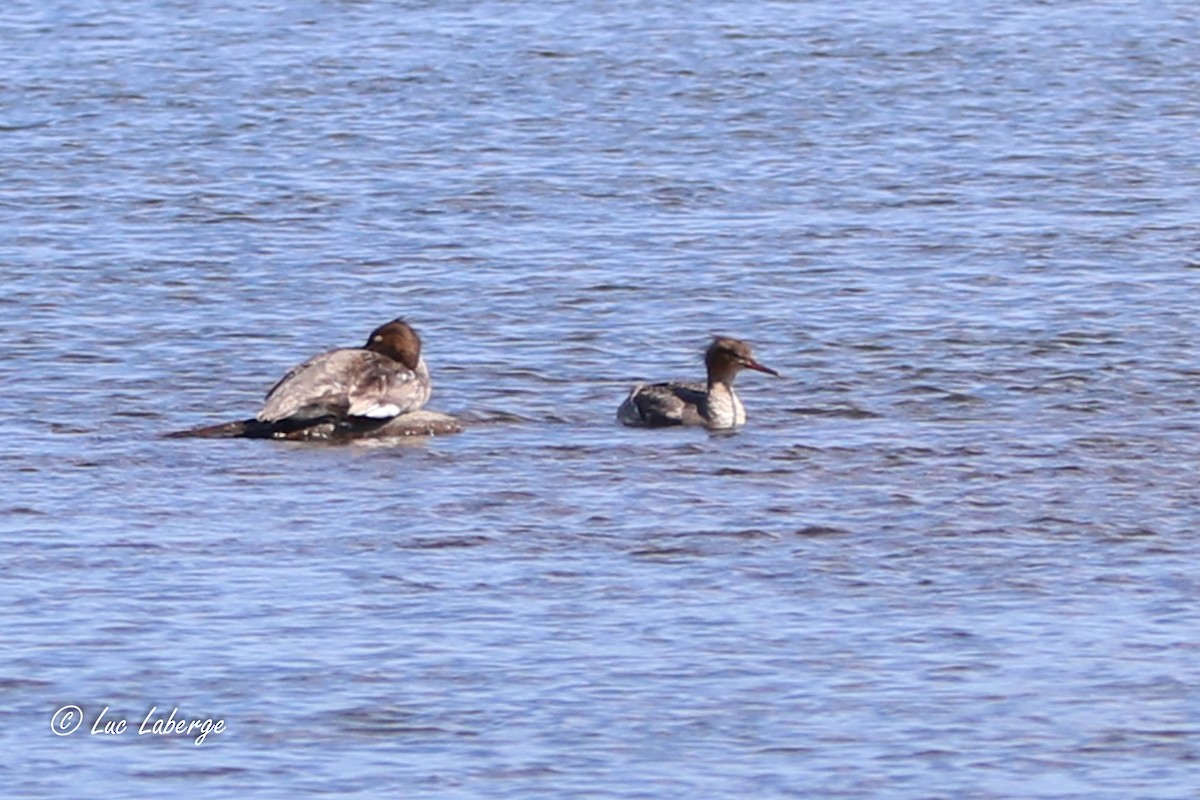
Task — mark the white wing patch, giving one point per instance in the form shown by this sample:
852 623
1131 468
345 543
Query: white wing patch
378 411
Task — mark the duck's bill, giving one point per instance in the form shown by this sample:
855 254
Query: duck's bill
751 364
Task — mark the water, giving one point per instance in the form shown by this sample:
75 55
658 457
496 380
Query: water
952 555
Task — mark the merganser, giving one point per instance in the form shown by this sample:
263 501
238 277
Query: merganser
384 378
714 405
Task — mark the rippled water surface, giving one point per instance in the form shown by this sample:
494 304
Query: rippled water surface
953 553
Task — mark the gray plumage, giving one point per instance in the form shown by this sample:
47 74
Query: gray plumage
385 378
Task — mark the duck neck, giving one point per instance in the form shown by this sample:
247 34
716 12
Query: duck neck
724 408
721 373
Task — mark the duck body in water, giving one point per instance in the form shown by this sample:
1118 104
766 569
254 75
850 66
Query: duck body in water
714 404
376 391
384 378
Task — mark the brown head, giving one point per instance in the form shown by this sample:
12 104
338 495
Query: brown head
397 341
725 357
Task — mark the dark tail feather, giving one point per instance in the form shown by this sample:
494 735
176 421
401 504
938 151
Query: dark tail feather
240 429
416 423
249 429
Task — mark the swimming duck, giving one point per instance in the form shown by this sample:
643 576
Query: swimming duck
384 378
714 404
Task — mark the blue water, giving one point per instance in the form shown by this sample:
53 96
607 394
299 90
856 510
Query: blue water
951 555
